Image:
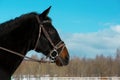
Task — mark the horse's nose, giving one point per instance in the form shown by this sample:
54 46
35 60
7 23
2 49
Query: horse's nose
63 58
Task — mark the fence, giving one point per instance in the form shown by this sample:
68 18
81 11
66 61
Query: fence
27 77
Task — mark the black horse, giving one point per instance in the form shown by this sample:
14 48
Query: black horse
31 31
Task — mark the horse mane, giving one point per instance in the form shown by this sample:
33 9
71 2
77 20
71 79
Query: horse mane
10 25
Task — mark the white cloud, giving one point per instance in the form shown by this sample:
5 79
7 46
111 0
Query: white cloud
116 28
90 44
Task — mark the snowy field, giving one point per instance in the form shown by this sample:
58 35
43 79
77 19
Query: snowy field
69 78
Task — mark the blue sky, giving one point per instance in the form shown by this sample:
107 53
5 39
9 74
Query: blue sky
88 27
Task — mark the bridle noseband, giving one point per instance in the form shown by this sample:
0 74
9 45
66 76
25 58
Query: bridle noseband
53 53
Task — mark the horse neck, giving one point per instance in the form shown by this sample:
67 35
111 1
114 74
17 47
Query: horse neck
18 42
21 40
4 75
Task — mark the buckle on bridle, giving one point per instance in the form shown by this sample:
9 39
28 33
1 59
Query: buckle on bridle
53 54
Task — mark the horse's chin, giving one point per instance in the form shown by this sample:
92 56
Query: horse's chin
61 62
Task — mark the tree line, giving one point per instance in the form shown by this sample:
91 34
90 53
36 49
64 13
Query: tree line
100 66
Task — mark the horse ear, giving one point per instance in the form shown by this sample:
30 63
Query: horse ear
45 13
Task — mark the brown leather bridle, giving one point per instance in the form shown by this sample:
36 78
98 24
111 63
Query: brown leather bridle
53 53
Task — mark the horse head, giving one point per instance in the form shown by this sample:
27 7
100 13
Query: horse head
49 41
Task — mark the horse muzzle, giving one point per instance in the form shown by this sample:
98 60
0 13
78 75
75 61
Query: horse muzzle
63 58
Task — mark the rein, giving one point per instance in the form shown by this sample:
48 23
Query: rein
53 53
23 56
